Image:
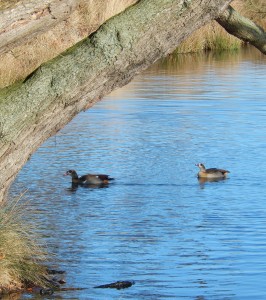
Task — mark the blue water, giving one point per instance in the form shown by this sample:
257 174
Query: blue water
157 225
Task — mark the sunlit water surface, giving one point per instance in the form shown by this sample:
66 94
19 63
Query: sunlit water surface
157 225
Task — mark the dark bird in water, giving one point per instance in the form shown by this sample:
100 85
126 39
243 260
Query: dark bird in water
93 179
212 173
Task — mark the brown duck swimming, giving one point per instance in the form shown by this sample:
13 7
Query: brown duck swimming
94 179
212 173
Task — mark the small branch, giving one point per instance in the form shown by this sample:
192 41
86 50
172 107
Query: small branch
243 28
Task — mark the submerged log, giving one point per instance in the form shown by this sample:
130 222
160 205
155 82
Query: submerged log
116 285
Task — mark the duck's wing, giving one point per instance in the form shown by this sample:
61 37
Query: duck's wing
104 177
88 177
83 178
215 170
212 170
224 171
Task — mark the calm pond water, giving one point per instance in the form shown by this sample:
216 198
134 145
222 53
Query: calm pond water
157 225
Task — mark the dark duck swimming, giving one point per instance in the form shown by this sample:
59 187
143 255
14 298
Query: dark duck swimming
93 179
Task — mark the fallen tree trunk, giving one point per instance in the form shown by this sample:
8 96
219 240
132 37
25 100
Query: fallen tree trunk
26 19
22 21
128 43
35 31
243 28
36 109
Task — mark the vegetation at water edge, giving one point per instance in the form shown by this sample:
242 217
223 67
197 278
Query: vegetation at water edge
21 255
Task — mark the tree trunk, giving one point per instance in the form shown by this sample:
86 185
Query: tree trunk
243 28
48 99
26 19
29 18
35 31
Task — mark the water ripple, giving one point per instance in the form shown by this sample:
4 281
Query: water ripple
157 225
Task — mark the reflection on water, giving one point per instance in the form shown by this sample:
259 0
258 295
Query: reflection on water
203 181
75 186
157 225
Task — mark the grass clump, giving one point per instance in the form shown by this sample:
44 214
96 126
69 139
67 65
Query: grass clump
21 255
210 37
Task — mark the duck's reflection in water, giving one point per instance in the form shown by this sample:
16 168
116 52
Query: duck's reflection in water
203 181
75 186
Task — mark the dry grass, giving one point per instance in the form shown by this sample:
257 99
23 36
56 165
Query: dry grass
209 37
21 256
8 3
255 10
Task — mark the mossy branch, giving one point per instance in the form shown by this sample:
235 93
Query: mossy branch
243 28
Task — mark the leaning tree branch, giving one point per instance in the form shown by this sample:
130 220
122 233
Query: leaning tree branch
49 98
243 28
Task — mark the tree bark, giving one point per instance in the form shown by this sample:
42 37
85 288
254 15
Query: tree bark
243 28
35 31
49 98
30 18
26 19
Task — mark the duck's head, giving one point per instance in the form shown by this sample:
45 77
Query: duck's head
72 173
201 166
